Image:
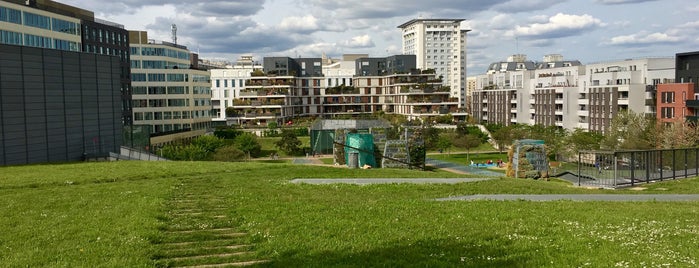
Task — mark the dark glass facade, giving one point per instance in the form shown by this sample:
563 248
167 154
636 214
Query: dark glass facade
58 106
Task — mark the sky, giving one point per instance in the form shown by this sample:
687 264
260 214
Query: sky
586 30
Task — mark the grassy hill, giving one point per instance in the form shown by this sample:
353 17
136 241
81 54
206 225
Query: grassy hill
141 214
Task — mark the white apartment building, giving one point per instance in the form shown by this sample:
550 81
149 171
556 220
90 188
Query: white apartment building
226 85
567 94
170 94
629 84
340 71
439 44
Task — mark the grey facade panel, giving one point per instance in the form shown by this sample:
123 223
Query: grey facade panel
55 106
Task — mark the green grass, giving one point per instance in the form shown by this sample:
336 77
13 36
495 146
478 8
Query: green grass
127 214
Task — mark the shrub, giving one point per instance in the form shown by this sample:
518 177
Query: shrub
228 154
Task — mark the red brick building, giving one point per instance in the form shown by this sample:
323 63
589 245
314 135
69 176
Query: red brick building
675 101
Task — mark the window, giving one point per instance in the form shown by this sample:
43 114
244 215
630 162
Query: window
38 21
667 97
65 45
10 15
175 90
667 112
156 77
37 41
139 90
10 38
58 25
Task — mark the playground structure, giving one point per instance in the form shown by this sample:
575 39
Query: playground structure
527 159
361 143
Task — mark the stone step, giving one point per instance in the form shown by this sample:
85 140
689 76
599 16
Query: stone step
229 264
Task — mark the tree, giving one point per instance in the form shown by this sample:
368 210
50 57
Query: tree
581 140
443 144
208 143
502 136
247 142
288 143
469 142
227 132
431 137
679 134
632 131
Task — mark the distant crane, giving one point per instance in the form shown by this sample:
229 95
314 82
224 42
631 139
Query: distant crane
174 34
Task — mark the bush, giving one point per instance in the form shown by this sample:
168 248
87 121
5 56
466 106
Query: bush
247 142
226 132
228 154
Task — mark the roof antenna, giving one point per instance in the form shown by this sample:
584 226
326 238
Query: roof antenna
174 34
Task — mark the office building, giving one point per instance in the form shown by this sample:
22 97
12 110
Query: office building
171 96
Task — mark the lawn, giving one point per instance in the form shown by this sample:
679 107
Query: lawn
140 214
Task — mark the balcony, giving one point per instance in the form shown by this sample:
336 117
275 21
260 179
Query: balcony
692 103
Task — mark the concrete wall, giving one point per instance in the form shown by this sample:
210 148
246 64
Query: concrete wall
56 106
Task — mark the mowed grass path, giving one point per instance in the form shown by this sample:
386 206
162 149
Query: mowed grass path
129 214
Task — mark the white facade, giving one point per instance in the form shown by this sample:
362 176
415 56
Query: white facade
439 44
340 71
168 95
227 83
557 93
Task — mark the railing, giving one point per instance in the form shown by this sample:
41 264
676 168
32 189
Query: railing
631 168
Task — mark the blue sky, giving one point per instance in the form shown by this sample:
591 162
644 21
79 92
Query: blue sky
586 30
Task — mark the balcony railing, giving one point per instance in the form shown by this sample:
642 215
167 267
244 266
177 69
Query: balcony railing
692 103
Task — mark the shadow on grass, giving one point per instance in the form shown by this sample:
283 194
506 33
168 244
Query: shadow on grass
424 253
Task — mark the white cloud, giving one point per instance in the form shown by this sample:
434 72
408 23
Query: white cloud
362 41
306 23
621 2
559 25
644 38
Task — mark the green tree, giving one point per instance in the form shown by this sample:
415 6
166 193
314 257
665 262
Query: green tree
679 134
444 143
288 143
581 140
502 136
469 142
247 142
227 132
631 131
431 137
208 143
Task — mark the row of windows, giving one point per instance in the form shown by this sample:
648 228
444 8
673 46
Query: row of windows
10 15
155 64
140 116
160 90
159 77
105 36
225 82
13 38
159 103
47 42
158 51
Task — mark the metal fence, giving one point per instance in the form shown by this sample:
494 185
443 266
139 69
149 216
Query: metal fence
629 168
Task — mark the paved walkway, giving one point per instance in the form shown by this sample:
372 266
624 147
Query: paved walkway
576 197
365 181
